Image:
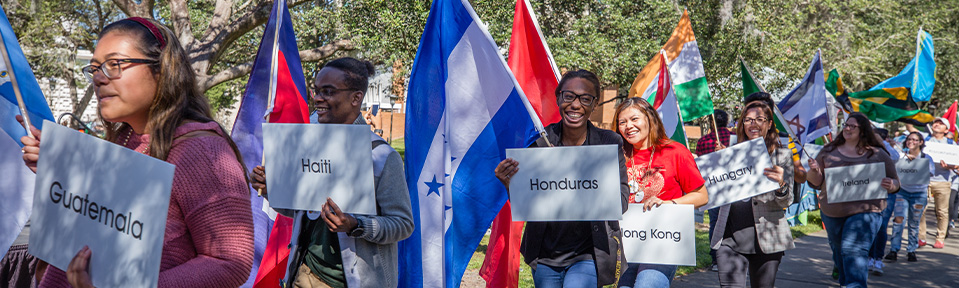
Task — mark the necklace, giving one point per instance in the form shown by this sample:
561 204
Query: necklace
127 139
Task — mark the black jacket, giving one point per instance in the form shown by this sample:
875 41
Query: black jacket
607 236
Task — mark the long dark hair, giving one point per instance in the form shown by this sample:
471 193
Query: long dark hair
867 139
657 133
177 98
772 135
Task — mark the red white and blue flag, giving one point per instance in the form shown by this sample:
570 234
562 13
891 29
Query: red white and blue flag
275 93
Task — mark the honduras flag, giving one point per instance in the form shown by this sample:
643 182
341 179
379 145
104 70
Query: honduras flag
16 184
276 89
804 108
464 108
920 74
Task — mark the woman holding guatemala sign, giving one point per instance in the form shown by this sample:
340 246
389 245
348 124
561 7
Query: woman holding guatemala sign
573 253
149 103
852 226
660 171
739 248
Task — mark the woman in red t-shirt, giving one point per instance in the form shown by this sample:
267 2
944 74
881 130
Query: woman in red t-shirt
660 171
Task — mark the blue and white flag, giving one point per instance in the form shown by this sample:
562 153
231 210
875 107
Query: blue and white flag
16 182
920 74
464 108
804 108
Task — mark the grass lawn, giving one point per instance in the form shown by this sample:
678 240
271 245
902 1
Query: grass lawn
702 251
399 146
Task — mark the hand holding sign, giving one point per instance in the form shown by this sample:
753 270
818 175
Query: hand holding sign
78 273
774 173
505 170
890 184
336 220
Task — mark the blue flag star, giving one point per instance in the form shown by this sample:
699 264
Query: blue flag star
434 187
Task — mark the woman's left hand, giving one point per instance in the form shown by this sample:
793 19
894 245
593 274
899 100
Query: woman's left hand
78 273
890 184
652 202
774 173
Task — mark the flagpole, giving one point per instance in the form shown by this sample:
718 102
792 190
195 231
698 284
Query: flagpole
682 123
715 128
16 88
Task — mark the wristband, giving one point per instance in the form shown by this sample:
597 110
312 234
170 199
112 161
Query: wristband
674 202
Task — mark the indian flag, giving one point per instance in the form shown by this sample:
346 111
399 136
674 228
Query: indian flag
663 99
686 67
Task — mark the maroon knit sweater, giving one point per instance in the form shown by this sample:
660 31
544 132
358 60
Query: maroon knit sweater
209 230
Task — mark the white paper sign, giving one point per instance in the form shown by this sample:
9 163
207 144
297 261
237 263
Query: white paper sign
855 183
306 163
944 152
112 199
913 172
736 173
811 150
576 183
662 235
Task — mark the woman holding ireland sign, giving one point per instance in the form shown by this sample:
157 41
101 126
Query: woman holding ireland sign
751 235
660 171
149 103
852 226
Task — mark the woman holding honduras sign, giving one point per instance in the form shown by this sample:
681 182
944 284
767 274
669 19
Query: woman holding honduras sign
852 226
739 247
660 171
149 103
573 253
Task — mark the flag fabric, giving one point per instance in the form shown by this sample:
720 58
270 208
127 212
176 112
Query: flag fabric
458 126
881 105
662 96
951 116
920 74
532 63
17 180
276 88
686 67
804 108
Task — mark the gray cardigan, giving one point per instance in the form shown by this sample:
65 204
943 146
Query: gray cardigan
370 260
769 215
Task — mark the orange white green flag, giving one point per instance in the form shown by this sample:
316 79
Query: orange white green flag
686 68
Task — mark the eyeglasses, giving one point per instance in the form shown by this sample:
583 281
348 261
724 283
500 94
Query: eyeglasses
850 126
326 91
111 68
569 97
750 121
913 139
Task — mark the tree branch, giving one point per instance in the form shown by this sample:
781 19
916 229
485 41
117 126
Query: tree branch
320 53
181 21
132 9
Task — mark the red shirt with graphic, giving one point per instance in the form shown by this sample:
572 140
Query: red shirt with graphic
673 174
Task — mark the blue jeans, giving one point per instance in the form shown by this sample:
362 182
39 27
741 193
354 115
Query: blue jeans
580 274
915 203
879 245
713 218
640 275
850 238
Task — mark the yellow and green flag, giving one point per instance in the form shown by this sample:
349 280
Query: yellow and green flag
880 105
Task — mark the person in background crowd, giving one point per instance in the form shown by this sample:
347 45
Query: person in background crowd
940 186
910 201
852 226
660 171
321 241
707 144
574 253
753 234
149 102
879 244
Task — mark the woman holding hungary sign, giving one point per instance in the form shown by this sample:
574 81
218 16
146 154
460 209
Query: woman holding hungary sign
752 234
852 226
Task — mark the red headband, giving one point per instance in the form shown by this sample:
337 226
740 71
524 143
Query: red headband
153 29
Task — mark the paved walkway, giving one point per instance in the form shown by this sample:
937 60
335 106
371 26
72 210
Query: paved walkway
810 265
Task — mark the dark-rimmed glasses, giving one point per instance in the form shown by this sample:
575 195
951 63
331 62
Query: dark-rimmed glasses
111 68
569 97
326 91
